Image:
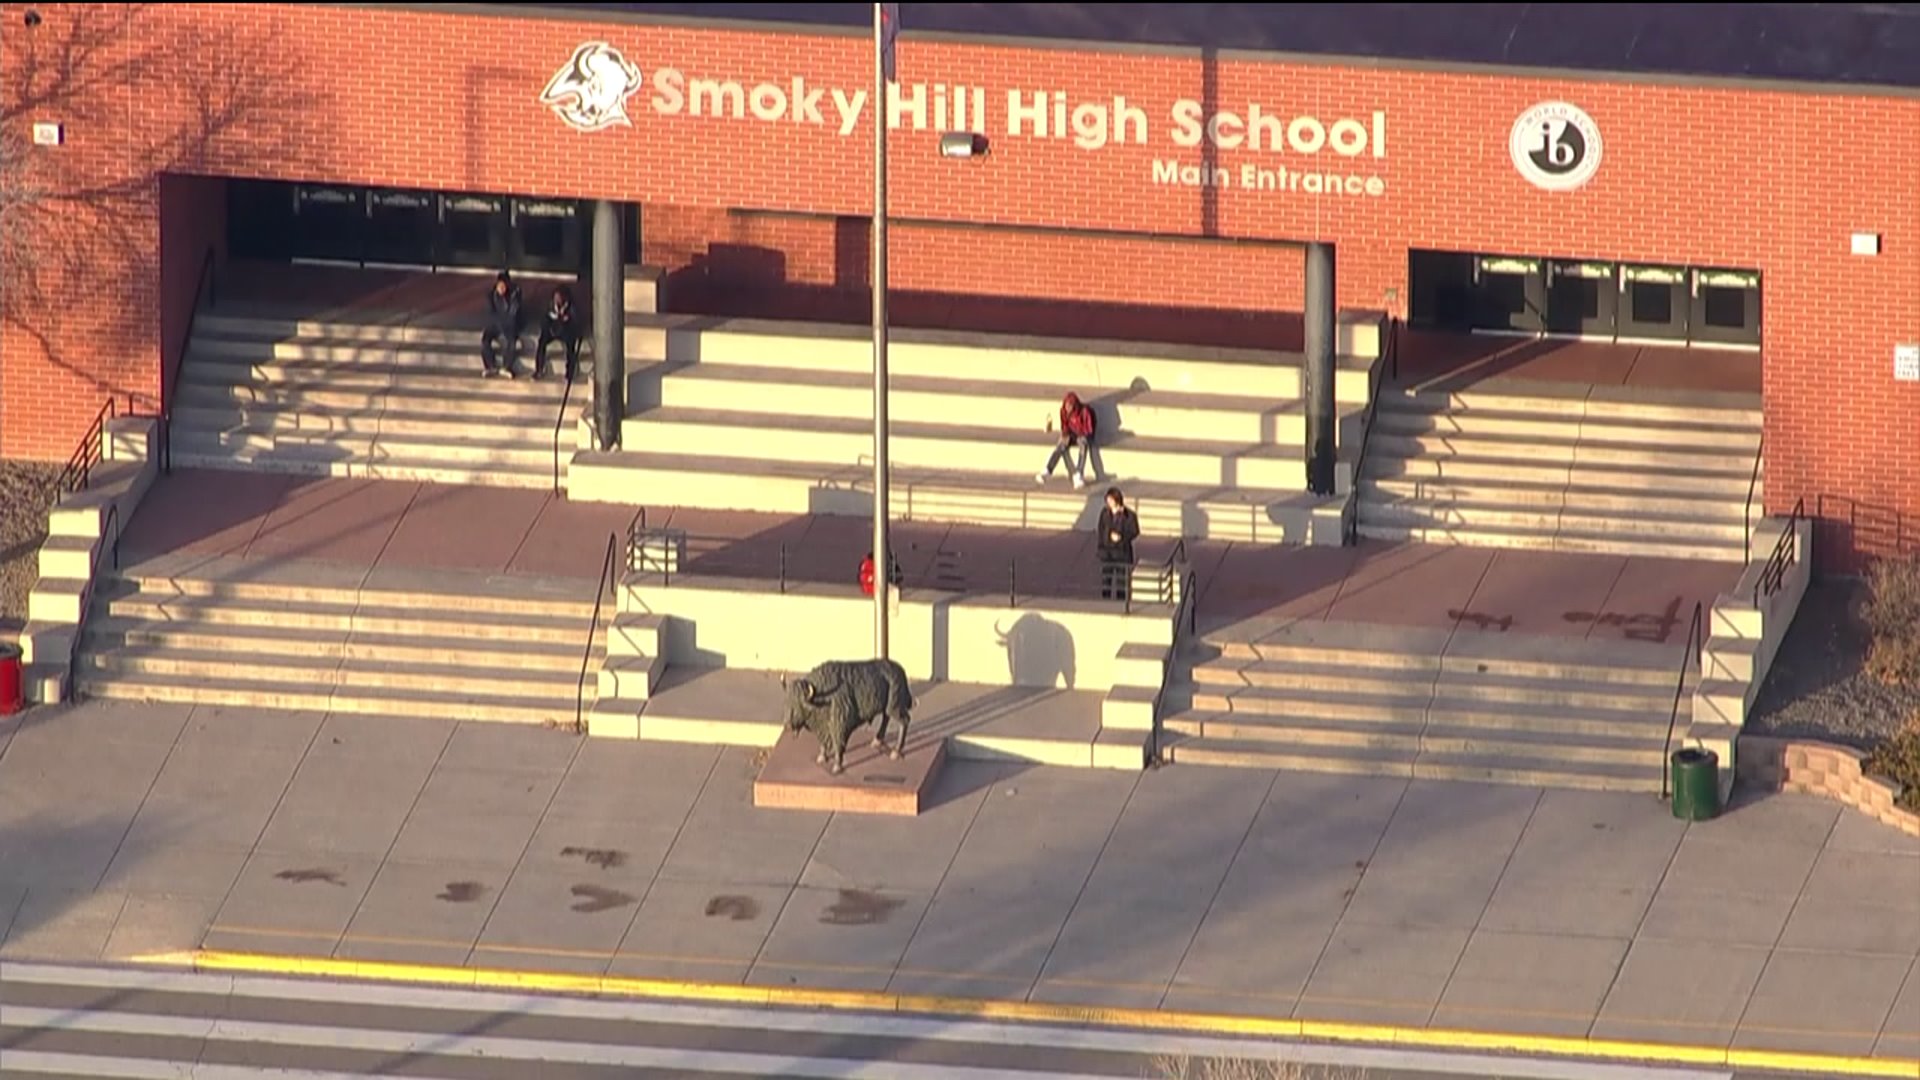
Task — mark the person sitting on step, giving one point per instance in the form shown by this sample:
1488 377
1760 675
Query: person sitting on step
558 326
503 327
1076 432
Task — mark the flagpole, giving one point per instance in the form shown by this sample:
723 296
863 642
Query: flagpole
882 558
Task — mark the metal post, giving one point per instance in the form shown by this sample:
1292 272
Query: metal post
881 561
609 324
1320 335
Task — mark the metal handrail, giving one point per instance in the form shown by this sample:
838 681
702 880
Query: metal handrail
559 422
1747 514
90 451
1350 532
593 628
1786 551
1693 646
205 287
109 524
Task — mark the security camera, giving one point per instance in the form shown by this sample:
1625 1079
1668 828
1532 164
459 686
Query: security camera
963 144
32 18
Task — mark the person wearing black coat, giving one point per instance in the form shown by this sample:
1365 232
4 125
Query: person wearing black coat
1119 528
558 326
503 326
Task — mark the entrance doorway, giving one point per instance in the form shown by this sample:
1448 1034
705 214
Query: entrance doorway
413 228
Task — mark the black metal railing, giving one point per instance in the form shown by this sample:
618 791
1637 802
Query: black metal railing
1689 661
1747 515
88 453
1350 531
1786 552
607 582
559 422
109 525
205 292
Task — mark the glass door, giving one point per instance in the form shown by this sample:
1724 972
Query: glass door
1581 299
1512 294
473 230
545 235
330 222
1726 307
400 227
1654 304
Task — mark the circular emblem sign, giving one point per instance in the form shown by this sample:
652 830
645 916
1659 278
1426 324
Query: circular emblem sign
1556 146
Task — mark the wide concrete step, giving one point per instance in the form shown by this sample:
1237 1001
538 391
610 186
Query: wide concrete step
246 642
307 463
318 669
158 610
1321 677
1557 495
1553 540
949 494
1482 768
1453 709
399 357
393 328
1385 464
450 445
1600 403
1422 738
1691 433
1568 448
303 377
1571 518
485 400
484 705
524 430
1425 656
447 599
965 401
830 441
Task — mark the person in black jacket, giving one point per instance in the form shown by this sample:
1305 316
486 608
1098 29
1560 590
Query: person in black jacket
558 326
503 322
1119 528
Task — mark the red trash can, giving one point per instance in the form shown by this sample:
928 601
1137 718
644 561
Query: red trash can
11 698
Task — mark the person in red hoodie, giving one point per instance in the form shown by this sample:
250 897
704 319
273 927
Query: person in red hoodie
1076 433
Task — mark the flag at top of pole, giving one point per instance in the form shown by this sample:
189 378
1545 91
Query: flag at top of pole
889 30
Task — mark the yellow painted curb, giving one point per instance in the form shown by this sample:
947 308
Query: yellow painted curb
1040 1013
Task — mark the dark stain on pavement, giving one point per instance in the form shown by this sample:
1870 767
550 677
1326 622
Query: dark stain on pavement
595 899
462 892
604 858
733 908
308 876
1652 626
1482 620
857 907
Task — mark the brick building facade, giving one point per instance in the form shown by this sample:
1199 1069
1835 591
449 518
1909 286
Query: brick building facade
160 105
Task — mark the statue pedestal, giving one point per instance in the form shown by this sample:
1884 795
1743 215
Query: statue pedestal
871 782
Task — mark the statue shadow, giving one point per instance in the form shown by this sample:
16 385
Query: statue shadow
1040 652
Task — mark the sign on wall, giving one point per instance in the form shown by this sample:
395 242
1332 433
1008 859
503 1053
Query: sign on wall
1556 146
1906 363
1272 147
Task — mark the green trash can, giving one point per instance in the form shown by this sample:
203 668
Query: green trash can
1696 784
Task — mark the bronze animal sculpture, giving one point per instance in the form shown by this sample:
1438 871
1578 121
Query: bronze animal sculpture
839 696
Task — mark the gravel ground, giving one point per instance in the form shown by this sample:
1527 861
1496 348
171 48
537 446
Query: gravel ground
1816 689
26 492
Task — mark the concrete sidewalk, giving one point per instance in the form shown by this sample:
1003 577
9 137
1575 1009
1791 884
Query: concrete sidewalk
1785 925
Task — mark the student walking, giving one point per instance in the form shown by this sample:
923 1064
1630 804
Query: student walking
558 326
1119 528
503 322
1077 426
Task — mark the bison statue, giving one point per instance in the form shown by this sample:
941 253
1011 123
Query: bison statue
837 697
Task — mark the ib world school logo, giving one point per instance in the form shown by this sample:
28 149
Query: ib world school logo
590 93
1556 146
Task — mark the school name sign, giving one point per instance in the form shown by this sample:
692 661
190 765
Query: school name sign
1323 155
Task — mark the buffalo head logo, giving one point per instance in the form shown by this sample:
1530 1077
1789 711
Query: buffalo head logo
590 93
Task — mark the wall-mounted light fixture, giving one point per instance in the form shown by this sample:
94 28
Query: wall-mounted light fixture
32 18
1866 243
963 144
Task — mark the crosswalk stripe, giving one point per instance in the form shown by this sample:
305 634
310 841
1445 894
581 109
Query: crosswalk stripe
121 1068
449 1045
974 1032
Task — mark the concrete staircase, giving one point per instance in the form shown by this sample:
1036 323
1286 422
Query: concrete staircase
383 400
1382 700
750 415
313 637
1584 469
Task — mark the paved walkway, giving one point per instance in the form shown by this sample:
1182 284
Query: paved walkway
396 525
1784 925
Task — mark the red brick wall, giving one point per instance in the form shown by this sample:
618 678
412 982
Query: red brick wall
1768 180
193 223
